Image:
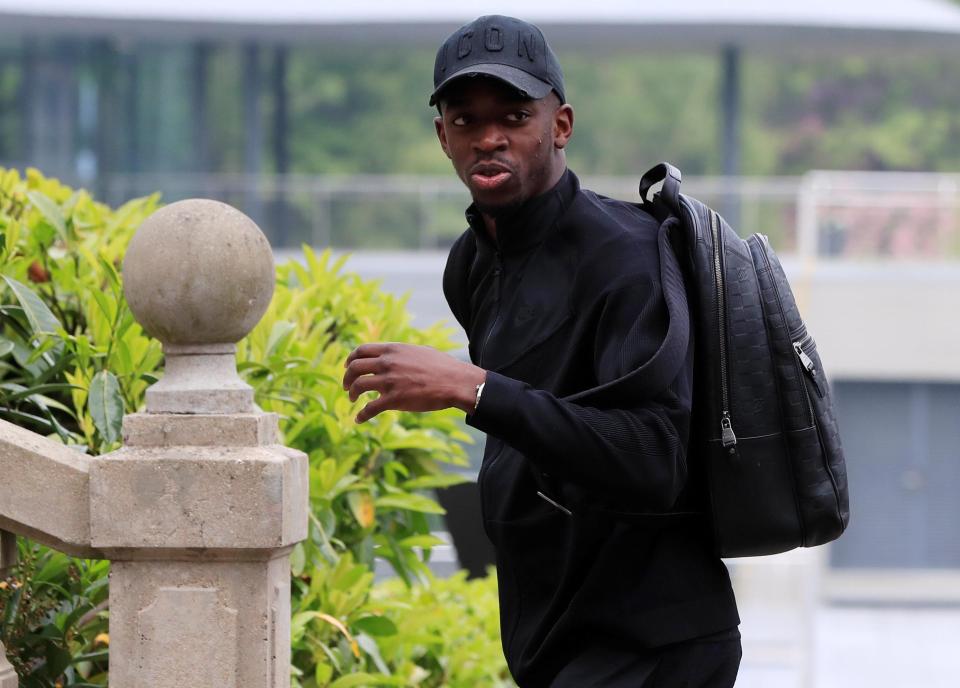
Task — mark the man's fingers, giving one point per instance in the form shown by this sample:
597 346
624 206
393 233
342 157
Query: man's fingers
366 383
370 350
358 367
372 409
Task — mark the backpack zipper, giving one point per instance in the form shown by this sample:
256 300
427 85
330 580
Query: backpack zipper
808 365
727 437
798 361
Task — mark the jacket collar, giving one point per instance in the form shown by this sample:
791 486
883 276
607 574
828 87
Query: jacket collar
531 222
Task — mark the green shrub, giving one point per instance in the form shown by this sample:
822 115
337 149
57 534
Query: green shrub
73 361
448 632
53 619
65 338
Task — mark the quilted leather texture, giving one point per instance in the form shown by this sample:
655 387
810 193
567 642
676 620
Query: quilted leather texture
784 484
751 371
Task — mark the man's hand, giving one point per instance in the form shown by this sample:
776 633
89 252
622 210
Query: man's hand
410 378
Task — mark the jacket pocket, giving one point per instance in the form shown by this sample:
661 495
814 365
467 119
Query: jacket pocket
532 553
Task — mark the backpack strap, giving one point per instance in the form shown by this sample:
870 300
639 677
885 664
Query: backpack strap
662 368
660 195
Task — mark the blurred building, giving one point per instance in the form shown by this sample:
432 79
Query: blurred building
119 97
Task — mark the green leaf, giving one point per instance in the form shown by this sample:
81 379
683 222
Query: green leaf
19 391
28 419
298 560
433 481
410 502
107 307
46 345
394 471
40 317
281 330
362 507
375 625
106 405
50 211
299 622
323 673
369 645
21 355
11 236
326 475
110 271
364 679
6 346
12 607
400 438
421 541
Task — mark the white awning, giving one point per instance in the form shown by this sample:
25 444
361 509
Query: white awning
685 25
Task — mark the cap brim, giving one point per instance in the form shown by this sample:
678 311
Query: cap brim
526 83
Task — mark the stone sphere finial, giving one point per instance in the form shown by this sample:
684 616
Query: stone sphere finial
198 272
198 276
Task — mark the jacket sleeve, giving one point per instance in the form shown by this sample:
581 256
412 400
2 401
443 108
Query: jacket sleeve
636 452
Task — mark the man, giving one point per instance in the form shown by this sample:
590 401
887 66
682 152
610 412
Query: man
605 570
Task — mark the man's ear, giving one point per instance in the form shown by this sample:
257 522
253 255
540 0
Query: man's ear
441 134
562 125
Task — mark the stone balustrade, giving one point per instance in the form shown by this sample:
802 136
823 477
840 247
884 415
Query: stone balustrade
200 508
8 557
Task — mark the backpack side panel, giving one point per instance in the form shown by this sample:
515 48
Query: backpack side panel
810 426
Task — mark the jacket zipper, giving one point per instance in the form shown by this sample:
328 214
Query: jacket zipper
497 272
727 437
498 277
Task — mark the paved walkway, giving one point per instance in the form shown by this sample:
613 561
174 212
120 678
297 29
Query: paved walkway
858 647
792 641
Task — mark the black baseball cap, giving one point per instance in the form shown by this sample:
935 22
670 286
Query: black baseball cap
505 48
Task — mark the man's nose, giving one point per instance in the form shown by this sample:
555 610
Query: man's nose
490 138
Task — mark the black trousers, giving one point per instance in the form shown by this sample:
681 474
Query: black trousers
710 661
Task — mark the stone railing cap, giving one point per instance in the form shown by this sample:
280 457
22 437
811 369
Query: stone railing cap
198 272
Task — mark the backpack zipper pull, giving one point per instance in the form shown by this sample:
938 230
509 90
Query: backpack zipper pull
809 366
727 437
804 359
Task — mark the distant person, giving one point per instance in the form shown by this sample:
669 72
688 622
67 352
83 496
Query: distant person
559 292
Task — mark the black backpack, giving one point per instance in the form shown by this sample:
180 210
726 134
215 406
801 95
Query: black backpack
763 416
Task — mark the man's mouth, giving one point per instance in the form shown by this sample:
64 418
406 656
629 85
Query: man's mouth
489 176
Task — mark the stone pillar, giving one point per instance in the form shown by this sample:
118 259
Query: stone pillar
8 677
199 510
8 557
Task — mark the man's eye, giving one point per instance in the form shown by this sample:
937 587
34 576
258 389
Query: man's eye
518 116
460 121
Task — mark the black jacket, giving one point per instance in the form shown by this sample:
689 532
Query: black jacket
570 299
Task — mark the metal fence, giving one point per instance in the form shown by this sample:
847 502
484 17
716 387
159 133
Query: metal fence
823 215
